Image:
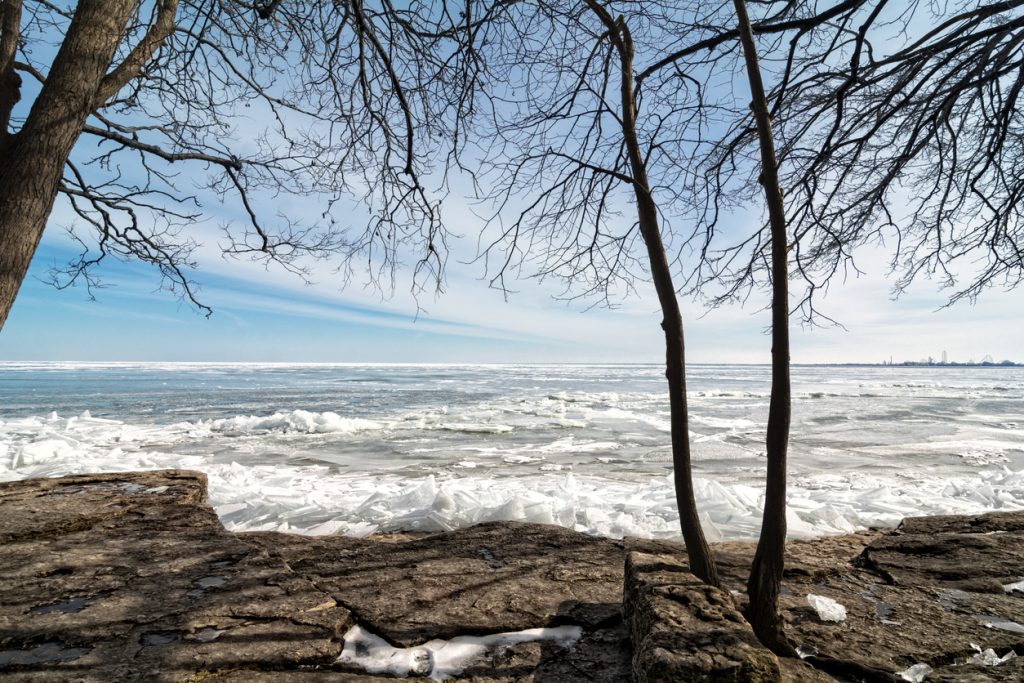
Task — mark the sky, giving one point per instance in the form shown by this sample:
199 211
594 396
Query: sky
267 315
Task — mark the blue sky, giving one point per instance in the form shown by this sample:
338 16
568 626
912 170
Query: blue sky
267 315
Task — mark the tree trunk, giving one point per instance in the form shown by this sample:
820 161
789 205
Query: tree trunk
766 573
35 156
702 564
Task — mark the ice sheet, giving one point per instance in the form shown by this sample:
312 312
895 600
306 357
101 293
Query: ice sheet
356 449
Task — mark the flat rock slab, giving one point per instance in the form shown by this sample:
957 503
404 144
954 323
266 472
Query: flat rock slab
494 577
685 630
926 593
132 577
489 578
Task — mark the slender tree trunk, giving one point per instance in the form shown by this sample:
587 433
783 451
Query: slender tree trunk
34 157
702 563
766 573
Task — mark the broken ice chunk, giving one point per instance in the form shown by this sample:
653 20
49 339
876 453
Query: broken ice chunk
988 657
916 673
827 608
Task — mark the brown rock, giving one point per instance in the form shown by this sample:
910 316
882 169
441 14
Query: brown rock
920 594
943 549
489 578
132 577
685 630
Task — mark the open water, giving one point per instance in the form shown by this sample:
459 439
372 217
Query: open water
359 448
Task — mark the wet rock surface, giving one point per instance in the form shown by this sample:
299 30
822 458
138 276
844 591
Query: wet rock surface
131 577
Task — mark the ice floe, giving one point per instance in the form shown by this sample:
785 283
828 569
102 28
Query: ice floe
294 421
340 449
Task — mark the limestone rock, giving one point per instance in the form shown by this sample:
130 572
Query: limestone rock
685 630
133 577
489 578
923 593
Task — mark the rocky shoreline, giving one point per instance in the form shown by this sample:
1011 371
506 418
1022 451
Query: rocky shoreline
131 577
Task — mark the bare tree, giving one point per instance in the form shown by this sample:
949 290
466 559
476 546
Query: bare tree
898 124
874 104
326 99
766 572
564 149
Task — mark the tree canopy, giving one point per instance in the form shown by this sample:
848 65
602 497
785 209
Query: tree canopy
161 106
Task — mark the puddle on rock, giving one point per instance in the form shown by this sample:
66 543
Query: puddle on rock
69 606
211 581
883 610
202 584
952 599
490 559
44 653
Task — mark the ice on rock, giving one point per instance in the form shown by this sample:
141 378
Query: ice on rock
916 673
1015 587
827 608
805 651
438 659
988 656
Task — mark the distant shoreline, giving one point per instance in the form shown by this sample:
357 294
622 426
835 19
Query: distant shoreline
348 364
913 364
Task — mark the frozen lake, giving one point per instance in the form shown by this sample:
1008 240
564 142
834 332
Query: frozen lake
358 448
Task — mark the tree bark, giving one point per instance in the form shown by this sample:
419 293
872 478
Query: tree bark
35 156
702 563
766 572
10 81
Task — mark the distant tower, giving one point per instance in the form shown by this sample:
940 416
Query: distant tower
945 358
